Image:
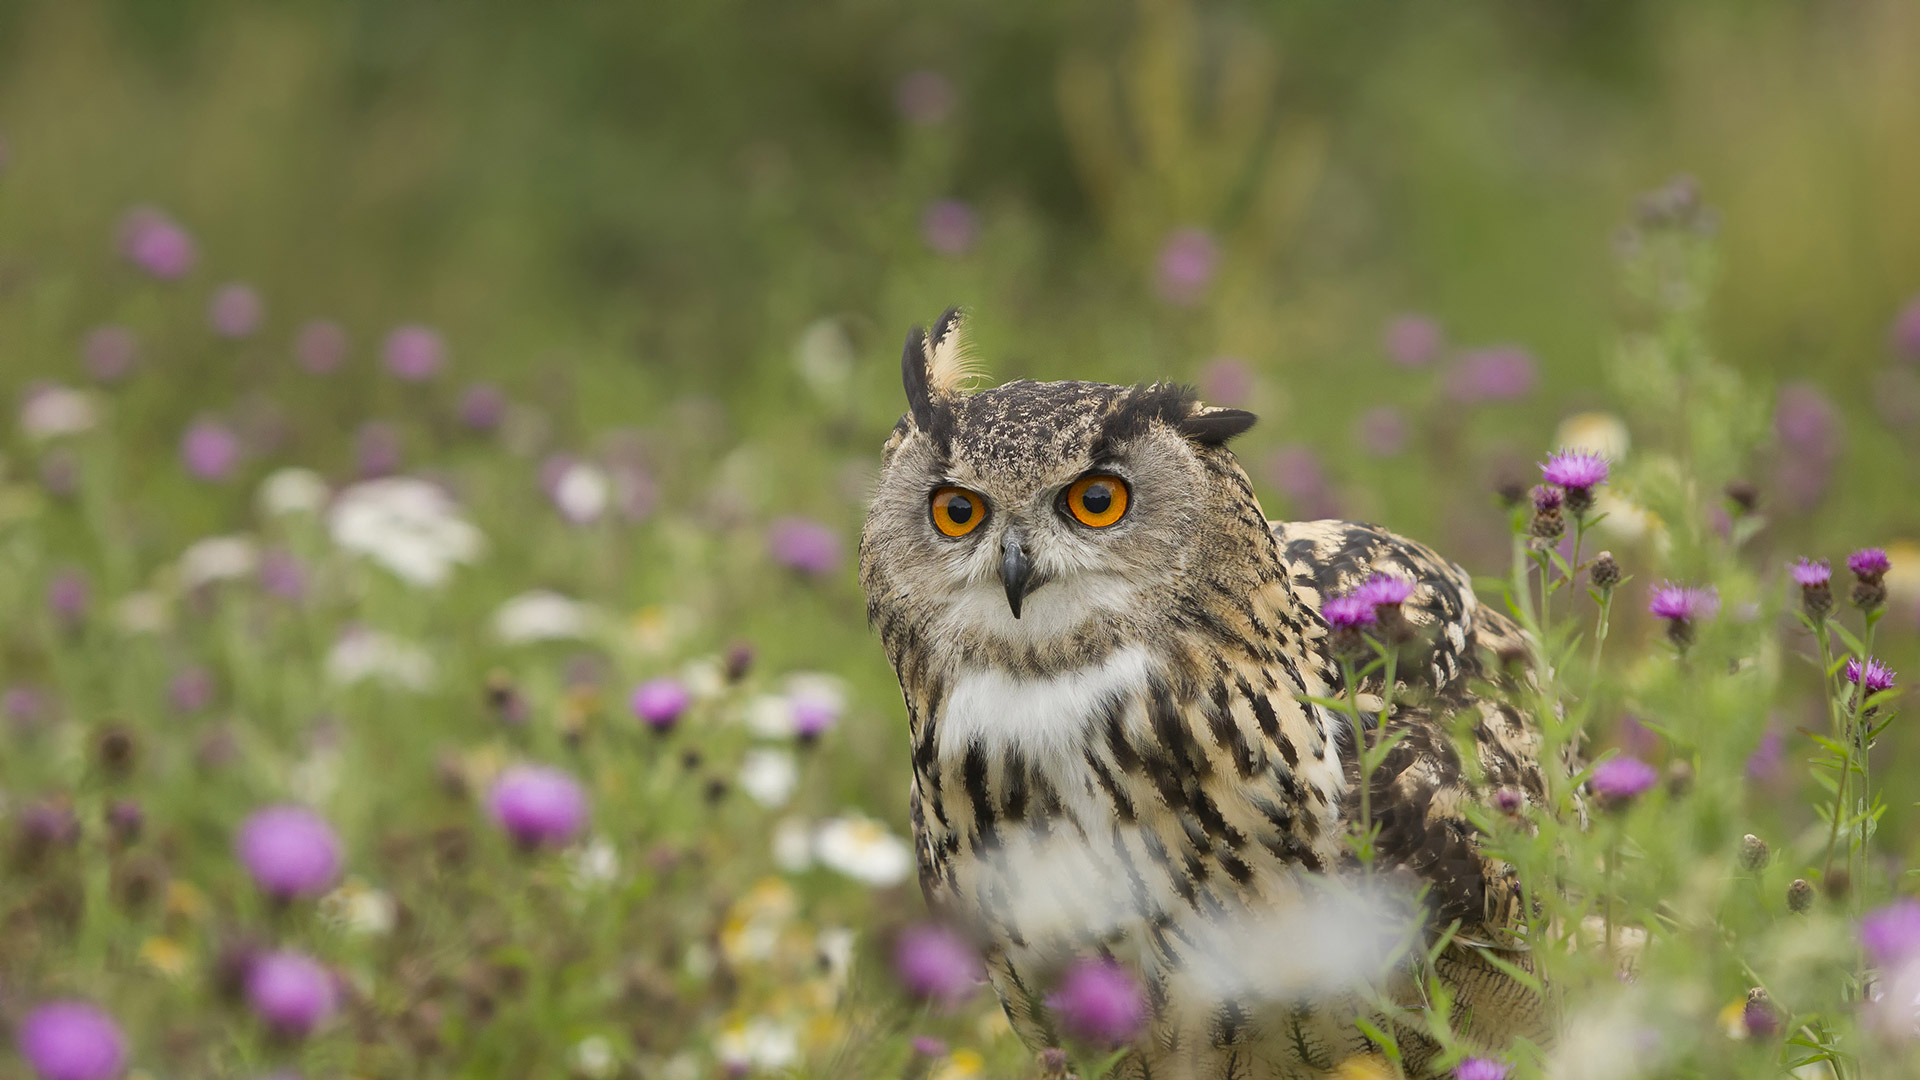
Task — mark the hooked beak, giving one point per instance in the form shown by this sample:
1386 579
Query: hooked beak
1015 569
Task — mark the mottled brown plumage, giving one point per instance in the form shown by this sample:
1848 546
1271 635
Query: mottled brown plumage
1113 751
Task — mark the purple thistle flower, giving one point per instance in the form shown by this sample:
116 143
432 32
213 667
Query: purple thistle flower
157 244
1811 573
924 97
69 595
1480 1069
538 805
282 574
23 706
1869 564
950 227
109 353
321 346
936 963
1684 603
1384 590
1806 421
291 992
1382 431
1100 1002
1348 612
482 407
1227 380
290 851
210 451
1546 498
414 353
805 545
1501 373
1891 935
1413 340
813 717
1765 763
660 702
1186 266
929 1046
1509 800
377 449
191 690
1873 676
235 311
1619 779
1575 470
72 1040
1905 334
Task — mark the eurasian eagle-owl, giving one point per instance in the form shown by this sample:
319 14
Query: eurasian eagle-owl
1109 658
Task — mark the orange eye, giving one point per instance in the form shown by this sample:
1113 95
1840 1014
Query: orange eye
957 511
1098 500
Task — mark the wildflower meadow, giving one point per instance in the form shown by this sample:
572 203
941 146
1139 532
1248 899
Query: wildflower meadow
436 441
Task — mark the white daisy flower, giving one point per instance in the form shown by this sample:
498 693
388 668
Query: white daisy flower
292 491
218 558
407 525
769 776
592 1057
542 615
594 864
862 849
360 908
142 613
583 493
362 655
758 1043
53 410
793 845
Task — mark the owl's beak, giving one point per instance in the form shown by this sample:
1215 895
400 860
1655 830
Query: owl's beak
1015 569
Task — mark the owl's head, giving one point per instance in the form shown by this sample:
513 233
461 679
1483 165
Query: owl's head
1023 511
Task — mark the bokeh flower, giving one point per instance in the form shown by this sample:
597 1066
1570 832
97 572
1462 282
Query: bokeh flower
218 558
1478 1068
1498 373
290 851
293 491
934 962
582 492
320 346
659 703
805 545
191 690
156 244
482 407
69 596
1807 424
1413 340
1381 431
109 353
768 776
283 575
50 411
414 353
542 615
72 1040
538 805
950 227
1186 266
1810 573
1101 1002
408 526
291 992
210 450
1227 380
1904 335
862 849
1891 934
1683 603
235 311
1619 779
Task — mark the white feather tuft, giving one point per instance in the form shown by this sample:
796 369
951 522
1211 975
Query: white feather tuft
951 366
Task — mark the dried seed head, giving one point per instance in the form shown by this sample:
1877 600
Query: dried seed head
1754 852
116 751
1800 896
1549 523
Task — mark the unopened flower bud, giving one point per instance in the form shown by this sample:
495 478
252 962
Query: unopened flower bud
1754 852
1838 884
116 751
1548 524
1604 574
1800 896
1761 1019
1679 777
1509 801
125 822
1053 1063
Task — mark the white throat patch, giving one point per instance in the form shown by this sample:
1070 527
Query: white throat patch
1042 718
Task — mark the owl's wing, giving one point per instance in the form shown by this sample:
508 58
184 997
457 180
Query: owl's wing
1460 649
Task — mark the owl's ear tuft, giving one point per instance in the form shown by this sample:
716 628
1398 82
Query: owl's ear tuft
950 367
914 374
1213 427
